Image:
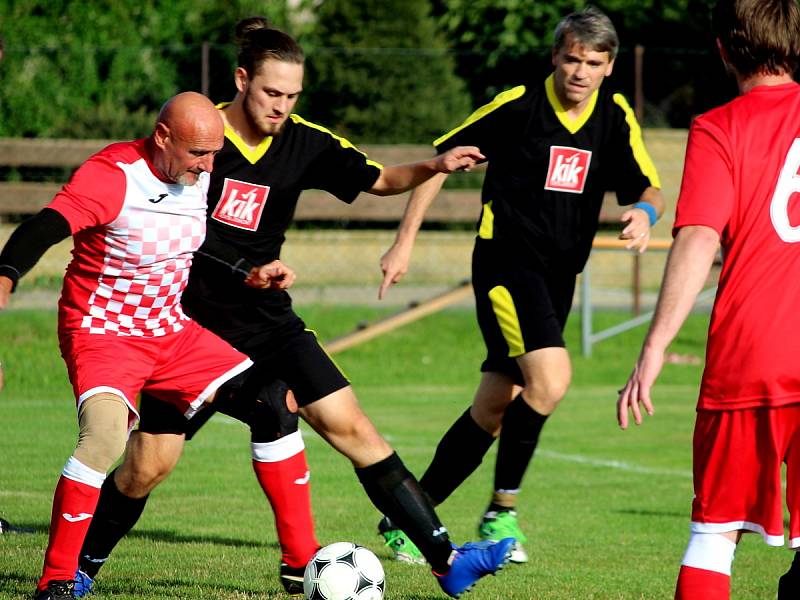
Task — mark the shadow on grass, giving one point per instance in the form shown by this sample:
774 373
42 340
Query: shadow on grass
164 535
156 535
22 527
653 513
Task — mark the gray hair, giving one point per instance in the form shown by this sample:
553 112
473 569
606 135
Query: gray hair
589 27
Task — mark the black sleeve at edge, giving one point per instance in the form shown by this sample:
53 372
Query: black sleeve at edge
30 241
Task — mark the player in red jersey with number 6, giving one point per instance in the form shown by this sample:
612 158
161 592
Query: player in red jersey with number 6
739 179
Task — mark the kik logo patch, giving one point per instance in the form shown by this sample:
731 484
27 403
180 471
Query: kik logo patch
241 204
568 169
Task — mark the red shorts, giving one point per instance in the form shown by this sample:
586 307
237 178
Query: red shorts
183 368
737 472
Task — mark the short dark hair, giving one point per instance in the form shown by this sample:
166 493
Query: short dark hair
759 36
259 42
590 27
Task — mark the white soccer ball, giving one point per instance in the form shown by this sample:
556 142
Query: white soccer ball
343 571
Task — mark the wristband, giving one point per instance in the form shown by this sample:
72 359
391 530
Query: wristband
649 209
12 273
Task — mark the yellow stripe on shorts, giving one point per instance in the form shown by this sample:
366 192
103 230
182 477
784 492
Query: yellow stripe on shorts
486 229
506 313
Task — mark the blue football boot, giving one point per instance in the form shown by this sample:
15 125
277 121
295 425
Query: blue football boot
83 584
471 562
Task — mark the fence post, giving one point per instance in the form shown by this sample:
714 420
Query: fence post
586 311
638 84
204 67
636 284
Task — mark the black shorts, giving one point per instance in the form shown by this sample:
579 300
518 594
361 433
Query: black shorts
299 360
520 308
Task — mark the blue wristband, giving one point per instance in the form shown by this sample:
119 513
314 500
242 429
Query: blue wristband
649 209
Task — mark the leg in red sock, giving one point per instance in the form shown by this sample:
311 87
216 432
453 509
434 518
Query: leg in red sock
282 471
700 584
74 503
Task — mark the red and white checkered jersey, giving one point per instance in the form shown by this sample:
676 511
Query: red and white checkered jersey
134 238
742 178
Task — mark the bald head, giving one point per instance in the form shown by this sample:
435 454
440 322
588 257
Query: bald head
189 131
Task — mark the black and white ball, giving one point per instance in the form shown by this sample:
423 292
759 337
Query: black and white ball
344 571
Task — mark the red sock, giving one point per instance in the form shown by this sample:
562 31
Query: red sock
701 584
74 504
286 484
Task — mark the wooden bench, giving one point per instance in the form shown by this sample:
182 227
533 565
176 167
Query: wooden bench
452 205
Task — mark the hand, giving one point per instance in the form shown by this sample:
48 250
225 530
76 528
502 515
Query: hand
460 158
394 265
5 290
274 275
637 389
637 229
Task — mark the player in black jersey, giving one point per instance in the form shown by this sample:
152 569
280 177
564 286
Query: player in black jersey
552 150
270 155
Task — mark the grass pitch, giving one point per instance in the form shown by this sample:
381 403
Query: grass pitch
606 512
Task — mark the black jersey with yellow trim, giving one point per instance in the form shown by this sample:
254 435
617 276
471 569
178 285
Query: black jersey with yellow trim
548 173
252 200
254 192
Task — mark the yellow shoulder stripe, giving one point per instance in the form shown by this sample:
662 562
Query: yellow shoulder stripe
499 100
639 151
342 141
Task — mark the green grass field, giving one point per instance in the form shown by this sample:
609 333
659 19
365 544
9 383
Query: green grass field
606 512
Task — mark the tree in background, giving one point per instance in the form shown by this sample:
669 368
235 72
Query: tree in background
380 72
102 68
502 43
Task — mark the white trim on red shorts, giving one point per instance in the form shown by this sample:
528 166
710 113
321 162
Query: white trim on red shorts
770 540
104 389
212 387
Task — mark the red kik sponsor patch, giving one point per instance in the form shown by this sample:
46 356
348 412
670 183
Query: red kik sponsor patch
241 204
568 169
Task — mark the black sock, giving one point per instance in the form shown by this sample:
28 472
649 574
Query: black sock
518 439
397 494
458 454
116 514
789 583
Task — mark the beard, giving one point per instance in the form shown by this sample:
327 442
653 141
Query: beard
188 178
263 126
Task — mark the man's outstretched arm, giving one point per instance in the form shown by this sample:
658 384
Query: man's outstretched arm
394 263
401 178
688 265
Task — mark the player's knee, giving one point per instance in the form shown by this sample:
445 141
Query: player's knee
489 418
709 551
149 458
545 394
272 418
103 423
136 481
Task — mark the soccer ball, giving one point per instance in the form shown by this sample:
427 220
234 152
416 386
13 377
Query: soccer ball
343 571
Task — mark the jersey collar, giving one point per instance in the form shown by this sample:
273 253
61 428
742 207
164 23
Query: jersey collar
252 155
571 125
